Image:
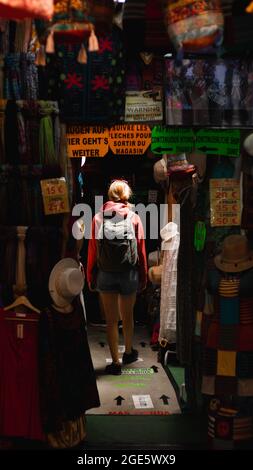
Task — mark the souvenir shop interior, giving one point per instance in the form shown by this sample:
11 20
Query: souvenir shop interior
158 94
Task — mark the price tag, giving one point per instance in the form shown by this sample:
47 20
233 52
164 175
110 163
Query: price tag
55 196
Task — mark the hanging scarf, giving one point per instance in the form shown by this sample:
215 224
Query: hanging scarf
29 74
13 81
169 291
46 134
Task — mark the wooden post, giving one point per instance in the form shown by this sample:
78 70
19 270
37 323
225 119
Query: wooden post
20 287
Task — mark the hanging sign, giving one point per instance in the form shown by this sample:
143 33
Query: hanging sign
87 141
130 139
219 142
55 196
171 140
225 201
144 106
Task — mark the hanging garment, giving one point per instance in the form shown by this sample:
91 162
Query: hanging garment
19 386
68 384
29 75
67 80
13 81
21 9
168 310
186 286
228 338
46 134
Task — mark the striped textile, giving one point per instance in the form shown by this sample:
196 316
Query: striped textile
229 287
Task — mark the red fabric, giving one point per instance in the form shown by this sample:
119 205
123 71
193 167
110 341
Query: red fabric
19 385
21 9
245 340
123 210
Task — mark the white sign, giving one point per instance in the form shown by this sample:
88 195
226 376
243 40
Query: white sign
144 106
142 401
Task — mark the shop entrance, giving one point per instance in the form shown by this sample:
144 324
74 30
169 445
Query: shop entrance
144 388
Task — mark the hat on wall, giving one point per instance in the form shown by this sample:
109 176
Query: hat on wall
160 170
248 144
66 282
236 255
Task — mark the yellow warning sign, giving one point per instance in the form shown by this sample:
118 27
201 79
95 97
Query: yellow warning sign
130 139
55 196
87 141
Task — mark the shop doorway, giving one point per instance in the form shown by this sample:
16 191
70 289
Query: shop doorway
151 386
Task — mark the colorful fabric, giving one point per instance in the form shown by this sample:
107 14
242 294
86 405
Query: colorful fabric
211 91
228 339
195 25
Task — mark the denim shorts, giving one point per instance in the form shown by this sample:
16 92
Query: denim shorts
124 283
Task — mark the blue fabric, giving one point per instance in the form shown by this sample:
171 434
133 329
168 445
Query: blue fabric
124 283
229 311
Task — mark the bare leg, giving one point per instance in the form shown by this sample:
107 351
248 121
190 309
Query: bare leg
111 310
126 306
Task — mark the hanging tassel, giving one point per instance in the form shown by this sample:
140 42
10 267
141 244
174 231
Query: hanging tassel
82 55
40 59
93 42
50 49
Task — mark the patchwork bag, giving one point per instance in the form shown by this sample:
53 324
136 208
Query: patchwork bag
194 25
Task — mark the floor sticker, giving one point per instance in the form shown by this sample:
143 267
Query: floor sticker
142 401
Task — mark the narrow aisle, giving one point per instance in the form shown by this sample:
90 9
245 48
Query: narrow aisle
142 389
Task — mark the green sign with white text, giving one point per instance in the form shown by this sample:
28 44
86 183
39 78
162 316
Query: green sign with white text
219 142
171 140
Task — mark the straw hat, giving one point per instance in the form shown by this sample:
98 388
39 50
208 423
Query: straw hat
248 144
236 255
66 282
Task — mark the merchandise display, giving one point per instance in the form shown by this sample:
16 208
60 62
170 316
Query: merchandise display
126 225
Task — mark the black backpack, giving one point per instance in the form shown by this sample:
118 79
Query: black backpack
117 244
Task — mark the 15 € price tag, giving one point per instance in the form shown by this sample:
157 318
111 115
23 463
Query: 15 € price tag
55 196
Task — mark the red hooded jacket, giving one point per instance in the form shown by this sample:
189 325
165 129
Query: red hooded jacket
122 210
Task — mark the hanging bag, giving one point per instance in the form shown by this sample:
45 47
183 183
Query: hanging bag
194 25
21 9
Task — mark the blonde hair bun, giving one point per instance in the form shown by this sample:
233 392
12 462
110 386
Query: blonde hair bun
119 191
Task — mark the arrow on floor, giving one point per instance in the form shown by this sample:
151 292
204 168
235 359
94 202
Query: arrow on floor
165 399
155 369
102 344
143 344
119 400
206 149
